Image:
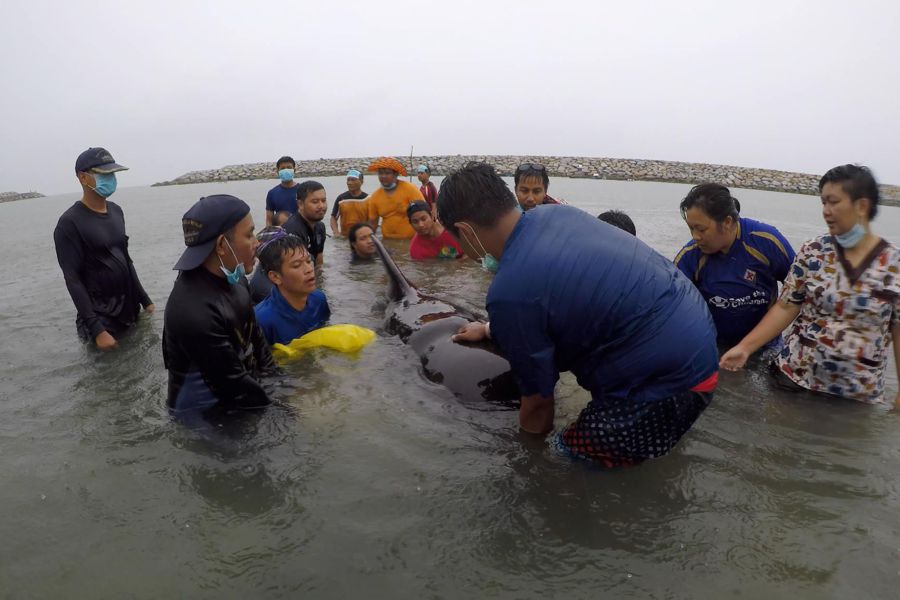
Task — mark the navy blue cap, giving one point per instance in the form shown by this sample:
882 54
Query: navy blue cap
204 222
415 207
97 160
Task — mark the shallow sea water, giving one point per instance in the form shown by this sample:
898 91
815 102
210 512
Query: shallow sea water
366 480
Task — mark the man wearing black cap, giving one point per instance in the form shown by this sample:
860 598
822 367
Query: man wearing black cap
212 346
92 250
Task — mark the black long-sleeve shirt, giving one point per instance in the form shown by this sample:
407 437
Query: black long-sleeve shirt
92 250
313 235
212 346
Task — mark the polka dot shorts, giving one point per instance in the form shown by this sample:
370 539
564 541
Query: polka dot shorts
626 433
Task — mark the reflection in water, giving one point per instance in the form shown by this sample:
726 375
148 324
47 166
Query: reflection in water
245 491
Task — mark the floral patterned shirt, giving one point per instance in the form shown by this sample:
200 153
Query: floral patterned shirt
839 343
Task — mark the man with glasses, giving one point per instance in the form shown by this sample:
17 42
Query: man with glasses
532 182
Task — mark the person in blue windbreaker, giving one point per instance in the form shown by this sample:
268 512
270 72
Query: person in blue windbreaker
573 293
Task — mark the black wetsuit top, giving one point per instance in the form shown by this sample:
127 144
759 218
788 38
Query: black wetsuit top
92 250
314 236
212 346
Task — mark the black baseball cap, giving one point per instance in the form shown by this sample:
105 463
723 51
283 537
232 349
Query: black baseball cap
205 221
97 160
415 207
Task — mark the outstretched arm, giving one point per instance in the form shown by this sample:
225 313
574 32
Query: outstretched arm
776 320
536 410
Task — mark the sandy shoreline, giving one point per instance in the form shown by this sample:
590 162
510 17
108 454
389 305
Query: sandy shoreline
558 166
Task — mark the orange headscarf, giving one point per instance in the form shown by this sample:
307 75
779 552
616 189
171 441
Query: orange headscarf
388 162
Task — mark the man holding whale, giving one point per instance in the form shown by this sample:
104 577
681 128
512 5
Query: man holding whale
574 293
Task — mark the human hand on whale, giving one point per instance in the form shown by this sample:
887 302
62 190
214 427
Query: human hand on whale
472 332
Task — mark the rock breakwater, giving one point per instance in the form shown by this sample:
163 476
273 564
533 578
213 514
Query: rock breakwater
557 166
13 196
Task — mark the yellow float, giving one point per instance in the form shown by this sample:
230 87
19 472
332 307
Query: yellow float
343 338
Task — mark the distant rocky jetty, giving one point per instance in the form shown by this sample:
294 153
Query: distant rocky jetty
557 166
13 196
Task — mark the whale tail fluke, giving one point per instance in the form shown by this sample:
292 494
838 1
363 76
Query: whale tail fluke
400 287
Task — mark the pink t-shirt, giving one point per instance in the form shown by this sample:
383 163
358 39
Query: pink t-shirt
443 246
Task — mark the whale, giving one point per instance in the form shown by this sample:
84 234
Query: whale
476 372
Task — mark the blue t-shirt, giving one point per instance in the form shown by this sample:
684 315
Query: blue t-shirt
281 322
573 293
282 199
739 287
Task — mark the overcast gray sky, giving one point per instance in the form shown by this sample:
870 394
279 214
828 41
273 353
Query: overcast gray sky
170 87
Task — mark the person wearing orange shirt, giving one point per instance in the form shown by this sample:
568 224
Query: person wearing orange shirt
388 203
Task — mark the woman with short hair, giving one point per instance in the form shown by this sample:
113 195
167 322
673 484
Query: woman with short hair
841 300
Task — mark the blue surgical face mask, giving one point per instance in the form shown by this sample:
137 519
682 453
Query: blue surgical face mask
488 262
851 238
286 175
233 277
389 187
104 184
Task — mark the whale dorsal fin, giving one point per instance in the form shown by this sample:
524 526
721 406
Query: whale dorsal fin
400 286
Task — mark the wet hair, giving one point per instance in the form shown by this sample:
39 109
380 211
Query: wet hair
474 193
308 187
619 219
528 170
351 235
272 252
715 200
857 182
417 206
286 159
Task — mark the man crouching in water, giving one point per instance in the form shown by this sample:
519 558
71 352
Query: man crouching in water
574 294
212 347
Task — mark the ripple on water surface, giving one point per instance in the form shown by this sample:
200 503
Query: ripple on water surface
367 479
